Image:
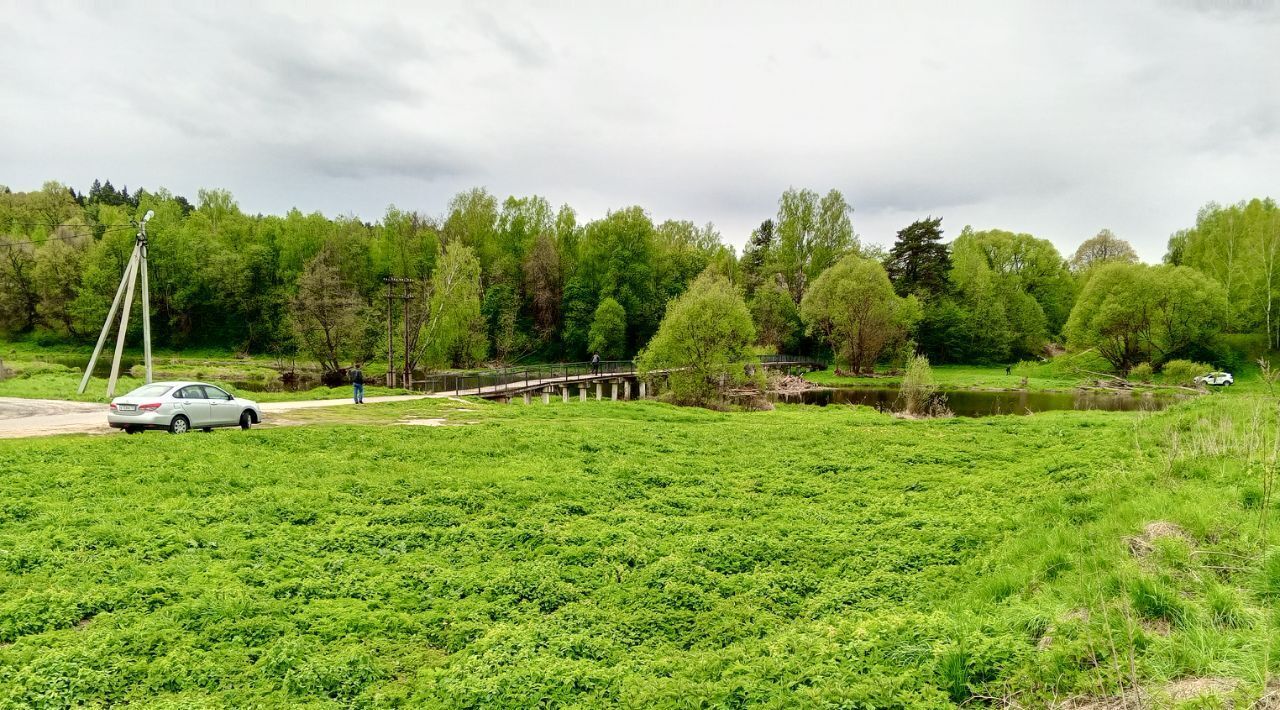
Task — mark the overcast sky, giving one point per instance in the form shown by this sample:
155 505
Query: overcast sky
1056 119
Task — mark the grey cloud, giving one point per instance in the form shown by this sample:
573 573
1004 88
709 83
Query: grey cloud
407 157
525 46
1056 119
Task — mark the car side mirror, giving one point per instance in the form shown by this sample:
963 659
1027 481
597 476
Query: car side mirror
230 397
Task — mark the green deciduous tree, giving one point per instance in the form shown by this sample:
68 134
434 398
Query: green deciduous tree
1103 248
19 299
703 341
1014 290
813 233
501 310
608 335
544 285
1134 313
328 317
616 258
1239 246
854 308
776 317
453 329
57 279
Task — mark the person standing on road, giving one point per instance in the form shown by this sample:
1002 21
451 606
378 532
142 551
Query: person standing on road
357 383
595 363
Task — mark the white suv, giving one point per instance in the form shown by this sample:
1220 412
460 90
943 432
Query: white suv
1217 379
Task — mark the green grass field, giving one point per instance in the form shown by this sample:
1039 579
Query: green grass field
42 373
641 555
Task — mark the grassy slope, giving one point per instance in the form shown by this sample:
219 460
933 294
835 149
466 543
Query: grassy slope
632 554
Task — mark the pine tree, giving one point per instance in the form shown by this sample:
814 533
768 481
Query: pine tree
919 261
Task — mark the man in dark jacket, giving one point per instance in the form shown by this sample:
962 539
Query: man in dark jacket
357 383
595 363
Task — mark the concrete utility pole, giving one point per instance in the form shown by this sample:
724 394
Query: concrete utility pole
137 263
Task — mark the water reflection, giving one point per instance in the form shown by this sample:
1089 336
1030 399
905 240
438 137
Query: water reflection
974 403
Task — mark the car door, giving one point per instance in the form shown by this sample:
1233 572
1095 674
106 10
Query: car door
221 408
194 405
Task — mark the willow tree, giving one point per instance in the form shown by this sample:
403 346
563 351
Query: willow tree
1133 313
854 308
452 331
703 342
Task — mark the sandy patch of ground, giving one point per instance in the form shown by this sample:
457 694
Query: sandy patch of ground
423 422
1142 545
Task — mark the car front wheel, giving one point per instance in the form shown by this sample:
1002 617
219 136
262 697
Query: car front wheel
246 420
179 425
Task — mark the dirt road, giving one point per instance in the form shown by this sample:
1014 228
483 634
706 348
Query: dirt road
45 417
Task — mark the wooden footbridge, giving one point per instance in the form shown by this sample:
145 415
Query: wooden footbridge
618 376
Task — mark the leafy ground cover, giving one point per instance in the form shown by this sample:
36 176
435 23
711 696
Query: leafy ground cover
637 554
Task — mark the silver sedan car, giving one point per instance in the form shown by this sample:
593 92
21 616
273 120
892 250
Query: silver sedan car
180 407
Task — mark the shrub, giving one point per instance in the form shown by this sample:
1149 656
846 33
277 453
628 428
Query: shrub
1141 372
919 392
1183 372
703 343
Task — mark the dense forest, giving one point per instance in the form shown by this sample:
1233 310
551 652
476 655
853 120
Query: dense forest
499 281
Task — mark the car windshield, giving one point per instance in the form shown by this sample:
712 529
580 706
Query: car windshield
149 391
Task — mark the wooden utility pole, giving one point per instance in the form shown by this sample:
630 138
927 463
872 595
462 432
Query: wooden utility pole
408 371
391 348
406 377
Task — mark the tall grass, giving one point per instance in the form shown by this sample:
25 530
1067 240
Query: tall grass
918 394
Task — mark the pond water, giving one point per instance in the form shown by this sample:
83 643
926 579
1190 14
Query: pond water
299 382
976 403
101 368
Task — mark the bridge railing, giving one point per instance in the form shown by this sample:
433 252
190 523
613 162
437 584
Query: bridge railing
791 360
495 380
533 375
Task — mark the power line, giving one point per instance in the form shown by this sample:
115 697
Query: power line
65 238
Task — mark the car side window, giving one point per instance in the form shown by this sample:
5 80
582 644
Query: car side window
211 392
187 393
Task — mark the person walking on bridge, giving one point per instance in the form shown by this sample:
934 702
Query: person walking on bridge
595 363
357 383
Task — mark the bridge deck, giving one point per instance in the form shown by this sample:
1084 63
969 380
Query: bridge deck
536 383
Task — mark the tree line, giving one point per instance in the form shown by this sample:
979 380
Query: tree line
498 281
